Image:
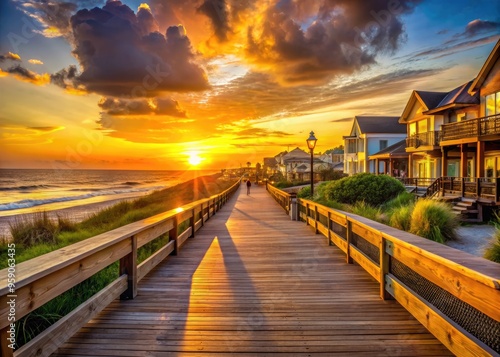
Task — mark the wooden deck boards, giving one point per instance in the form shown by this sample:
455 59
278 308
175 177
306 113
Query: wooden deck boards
252 281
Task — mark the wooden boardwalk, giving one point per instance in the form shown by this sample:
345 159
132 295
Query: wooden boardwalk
254 282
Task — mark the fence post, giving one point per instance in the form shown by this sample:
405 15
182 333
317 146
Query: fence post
384 266
192 221
349 238
307 214
316 218
329 235
128 265
173 234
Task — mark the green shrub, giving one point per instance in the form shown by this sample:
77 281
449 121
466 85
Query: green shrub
400 217
433 220
283 184
372 189
305 192
321 190
492 252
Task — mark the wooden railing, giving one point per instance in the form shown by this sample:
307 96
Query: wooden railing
283 198
430 138
455 295
471 128
41 279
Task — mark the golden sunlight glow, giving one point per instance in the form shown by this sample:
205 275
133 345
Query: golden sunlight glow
144 6
194 158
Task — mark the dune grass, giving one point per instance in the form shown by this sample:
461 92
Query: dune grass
434 220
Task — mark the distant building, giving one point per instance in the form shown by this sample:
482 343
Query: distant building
369 135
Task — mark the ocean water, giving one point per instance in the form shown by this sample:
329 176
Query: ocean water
30 190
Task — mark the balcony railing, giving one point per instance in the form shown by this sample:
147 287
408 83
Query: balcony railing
430 138
472 128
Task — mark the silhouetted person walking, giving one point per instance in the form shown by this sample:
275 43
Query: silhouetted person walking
249 184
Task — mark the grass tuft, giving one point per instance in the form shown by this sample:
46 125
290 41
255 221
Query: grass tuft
434 220
37 229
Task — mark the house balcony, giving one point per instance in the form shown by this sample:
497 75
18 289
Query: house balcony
423 141
472 130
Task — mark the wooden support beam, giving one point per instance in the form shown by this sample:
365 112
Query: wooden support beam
128 266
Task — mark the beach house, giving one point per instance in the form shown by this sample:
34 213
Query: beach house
369 135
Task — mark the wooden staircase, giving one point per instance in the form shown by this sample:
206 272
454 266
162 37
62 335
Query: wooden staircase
467 210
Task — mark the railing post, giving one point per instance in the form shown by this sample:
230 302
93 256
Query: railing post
478 187
329 235
192 221
349 238
307 214
128 266
316 217
173 234
385 246
202 213
463 187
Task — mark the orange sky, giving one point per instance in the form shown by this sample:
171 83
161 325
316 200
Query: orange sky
149 86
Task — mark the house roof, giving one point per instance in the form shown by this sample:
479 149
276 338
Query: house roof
485 70
429 100
397 150
296 154
458 97
379 124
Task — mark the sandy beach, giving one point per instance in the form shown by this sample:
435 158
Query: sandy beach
73 213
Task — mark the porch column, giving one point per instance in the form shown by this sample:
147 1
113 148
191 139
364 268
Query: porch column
391 170
463 160
480 159
444 161
376 167
410 166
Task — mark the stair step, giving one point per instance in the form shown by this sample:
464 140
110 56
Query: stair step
465 204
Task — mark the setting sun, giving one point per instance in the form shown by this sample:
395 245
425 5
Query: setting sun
194 159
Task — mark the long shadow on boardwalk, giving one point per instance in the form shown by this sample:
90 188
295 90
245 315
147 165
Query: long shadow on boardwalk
252 281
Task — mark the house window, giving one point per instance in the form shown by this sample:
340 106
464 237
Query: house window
422 126
383 144
492 104
489 167
413 129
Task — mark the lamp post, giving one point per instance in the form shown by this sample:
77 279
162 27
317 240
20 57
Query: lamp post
311 143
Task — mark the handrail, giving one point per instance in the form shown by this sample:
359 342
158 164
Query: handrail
43 278
283 198
435 283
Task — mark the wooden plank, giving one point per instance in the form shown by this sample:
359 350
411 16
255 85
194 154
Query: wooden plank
366 232
45 289
5 342
359 257
450 334
154 232
181 239
148 265
338 241
482 297
52 338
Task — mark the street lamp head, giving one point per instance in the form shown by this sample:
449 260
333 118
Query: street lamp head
311 141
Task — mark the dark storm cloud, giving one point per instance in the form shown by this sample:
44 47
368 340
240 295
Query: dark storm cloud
451 47
345 36
158 106
216 11
65 77
119 59
23 72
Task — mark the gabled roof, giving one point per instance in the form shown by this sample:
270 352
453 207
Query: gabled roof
397 150
485 70
270 161
458 97
379 125
428 100
296 154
